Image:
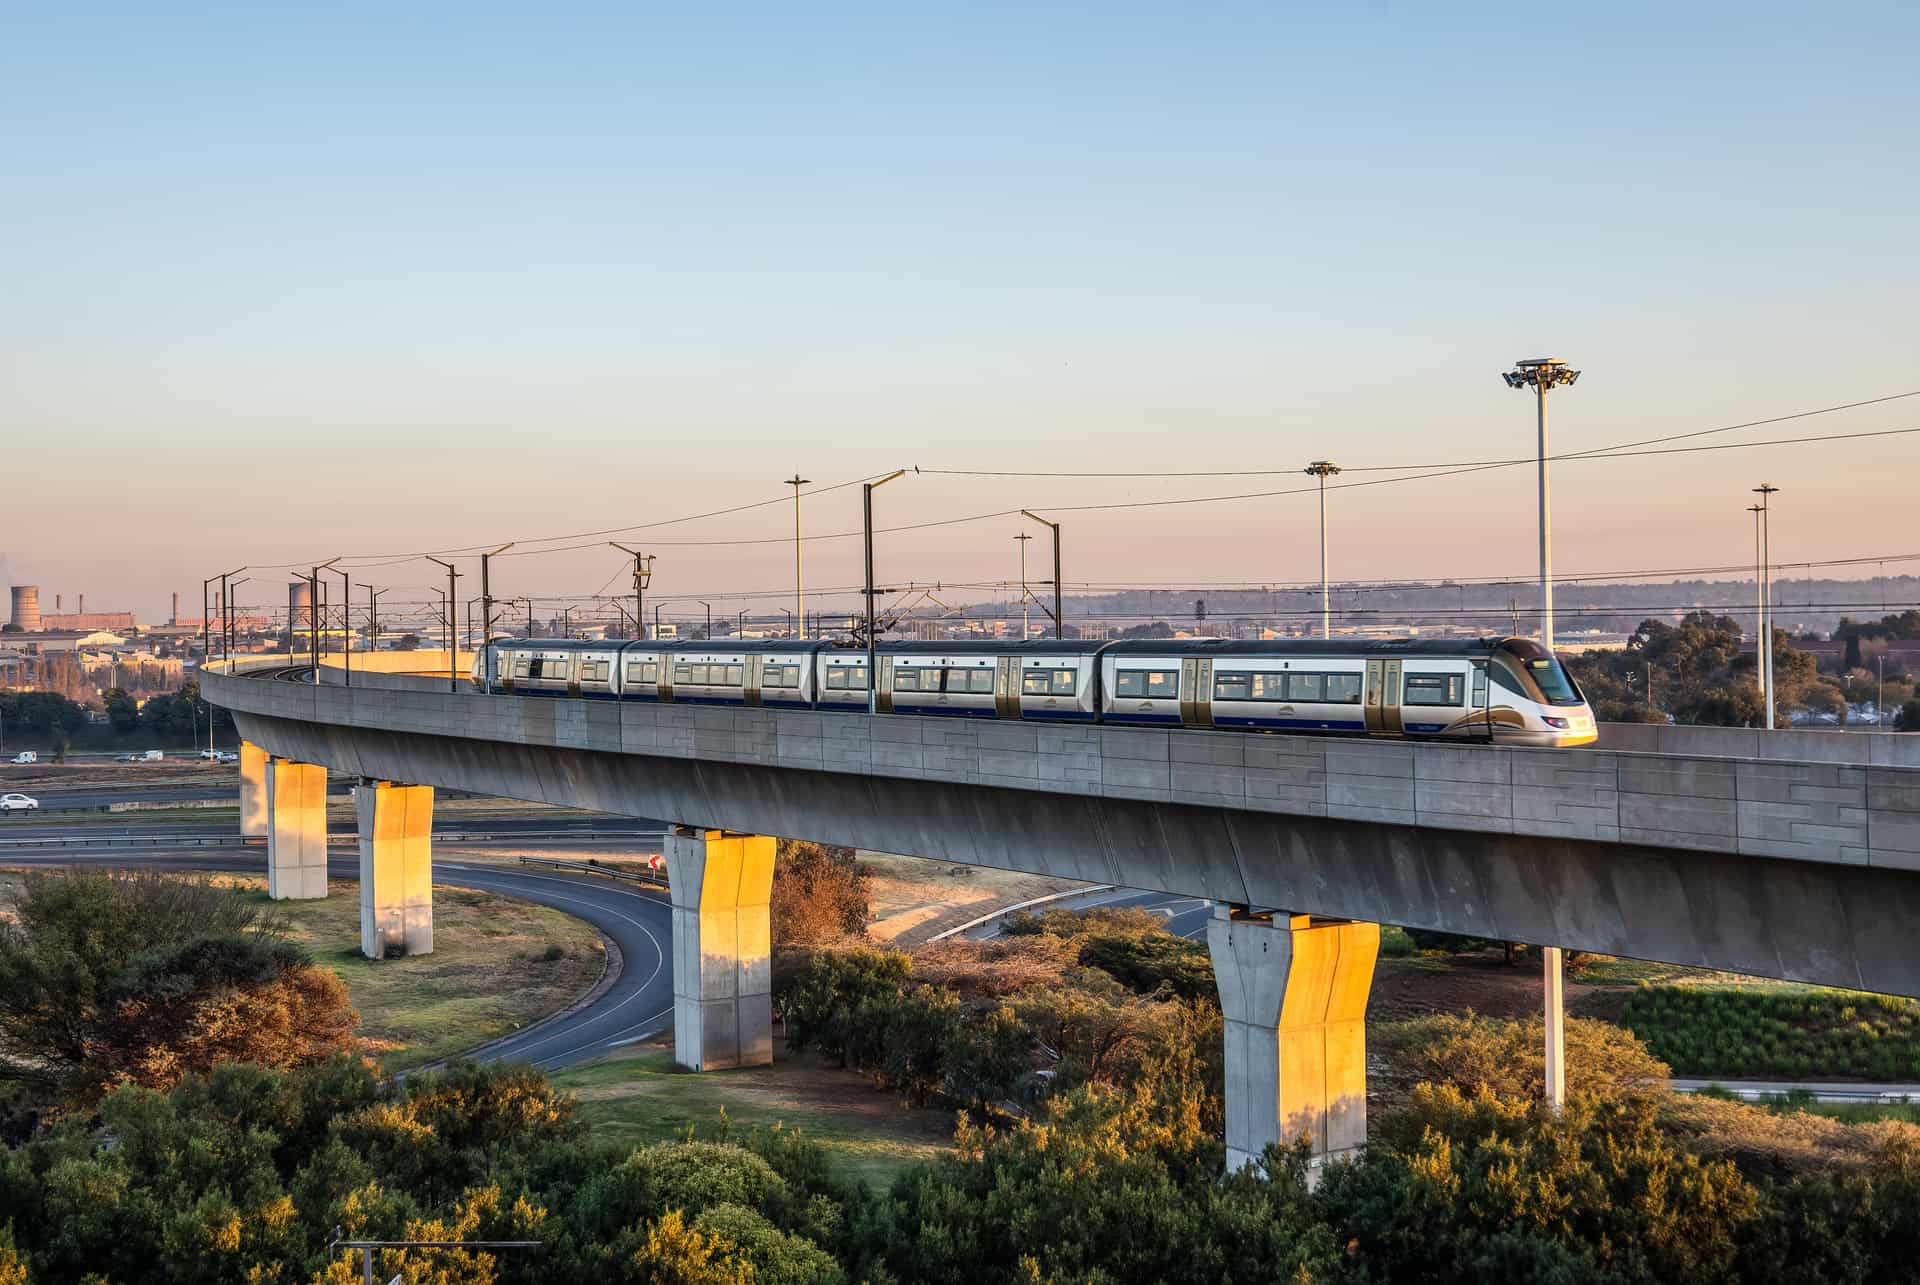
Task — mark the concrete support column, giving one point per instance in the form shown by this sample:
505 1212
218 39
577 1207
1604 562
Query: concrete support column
1294 993
396 868
296 830
253 790
722 973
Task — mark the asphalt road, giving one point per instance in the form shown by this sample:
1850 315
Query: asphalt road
637 919
1185 916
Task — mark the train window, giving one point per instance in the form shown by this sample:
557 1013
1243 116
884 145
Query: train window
1046 682
1433 689
1307 687
977 679
1230 686
847 678
1506 682
780 676
684 673
520 667
1343 689
1479 684
731 675
1147 684
1268 687
908 680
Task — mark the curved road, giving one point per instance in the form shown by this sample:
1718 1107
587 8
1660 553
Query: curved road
637 919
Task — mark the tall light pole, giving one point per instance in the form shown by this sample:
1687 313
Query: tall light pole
873 659
1766 491
1023 538
642 576
709 607
1543 374
799 597
1059 619
1324 469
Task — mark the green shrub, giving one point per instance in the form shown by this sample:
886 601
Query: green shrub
1742 1032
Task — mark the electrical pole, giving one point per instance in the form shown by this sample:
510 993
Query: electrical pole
453 624
1059 618
1323 469
873 659
799 596
642 576
1542 374
486 612
373 618
1023 537
1766 491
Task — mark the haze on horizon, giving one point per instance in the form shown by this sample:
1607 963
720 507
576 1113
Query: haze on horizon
286 285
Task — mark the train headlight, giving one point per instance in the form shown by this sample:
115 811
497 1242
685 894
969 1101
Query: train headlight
1551 721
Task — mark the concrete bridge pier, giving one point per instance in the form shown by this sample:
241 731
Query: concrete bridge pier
253 790
396 868
296 830
722 884
1294 990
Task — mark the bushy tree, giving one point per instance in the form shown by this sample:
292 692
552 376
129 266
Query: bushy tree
134 976
819 894
121 710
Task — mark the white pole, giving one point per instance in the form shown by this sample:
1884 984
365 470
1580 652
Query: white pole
1759 613
1546 529
1553 1015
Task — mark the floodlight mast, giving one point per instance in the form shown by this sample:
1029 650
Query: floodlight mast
1323 469
1542 375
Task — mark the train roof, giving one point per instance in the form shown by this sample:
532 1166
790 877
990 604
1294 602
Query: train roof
1464 647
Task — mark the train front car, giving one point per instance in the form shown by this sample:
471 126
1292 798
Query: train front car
1534 699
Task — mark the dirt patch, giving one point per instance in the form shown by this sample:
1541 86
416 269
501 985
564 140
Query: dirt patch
1424 985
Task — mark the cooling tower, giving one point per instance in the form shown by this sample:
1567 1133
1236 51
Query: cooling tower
26 607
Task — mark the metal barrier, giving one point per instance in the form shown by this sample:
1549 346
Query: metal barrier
591 867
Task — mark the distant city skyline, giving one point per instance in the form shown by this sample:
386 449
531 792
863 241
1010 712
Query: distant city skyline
370 282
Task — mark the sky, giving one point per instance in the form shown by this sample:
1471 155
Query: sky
290 282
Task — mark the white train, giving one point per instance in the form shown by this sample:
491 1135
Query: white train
1507 690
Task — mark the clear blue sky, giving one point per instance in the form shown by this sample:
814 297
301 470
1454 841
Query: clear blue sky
283 283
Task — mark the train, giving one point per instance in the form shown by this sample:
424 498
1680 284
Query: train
1502 690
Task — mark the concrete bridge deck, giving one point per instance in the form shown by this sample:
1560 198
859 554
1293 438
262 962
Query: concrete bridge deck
1795 868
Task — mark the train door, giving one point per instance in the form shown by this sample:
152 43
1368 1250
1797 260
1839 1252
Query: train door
1006 687
665 672
1196 691
572 667
883 695
753 679
1383 697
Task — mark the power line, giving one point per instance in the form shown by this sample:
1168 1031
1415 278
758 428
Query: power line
1401 468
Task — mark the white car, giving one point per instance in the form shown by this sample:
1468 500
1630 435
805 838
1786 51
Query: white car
212 756
18 803
228 756
26 756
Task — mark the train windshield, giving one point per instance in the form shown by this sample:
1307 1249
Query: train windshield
1556 684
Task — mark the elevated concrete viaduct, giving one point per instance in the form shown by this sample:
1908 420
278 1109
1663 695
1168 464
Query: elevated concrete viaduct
1787 868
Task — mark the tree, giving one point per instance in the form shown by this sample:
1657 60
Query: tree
1908 719
122 712
135 977
819 894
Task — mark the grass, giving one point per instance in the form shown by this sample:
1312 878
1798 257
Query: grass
638 1097
1803 1101
490 972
